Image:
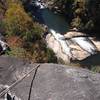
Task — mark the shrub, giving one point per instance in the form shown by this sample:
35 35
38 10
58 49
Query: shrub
51 56
19 23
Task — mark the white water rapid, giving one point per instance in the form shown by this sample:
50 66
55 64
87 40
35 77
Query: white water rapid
86 44
64 45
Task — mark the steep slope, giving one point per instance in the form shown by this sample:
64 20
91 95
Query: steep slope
52 81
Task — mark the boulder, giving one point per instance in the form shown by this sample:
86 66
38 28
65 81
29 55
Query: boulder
97 43
52 81
77 51
56 47
81 46
72 34
12 69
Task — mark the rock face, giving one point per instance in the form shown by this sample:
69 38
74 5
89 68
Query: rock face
49 3
57 82
11 69
55 46
52 81
77 51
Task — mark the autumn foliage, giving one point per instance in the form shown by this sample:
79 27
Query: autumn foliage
24 35
18 22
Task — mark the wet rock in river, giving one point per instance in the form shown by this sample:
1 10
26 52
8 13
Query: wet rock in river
80 46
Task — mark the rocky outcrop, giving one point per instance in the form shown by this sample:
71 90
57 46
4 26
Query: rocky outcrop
48 2
78 51
51 4
55 46
52 81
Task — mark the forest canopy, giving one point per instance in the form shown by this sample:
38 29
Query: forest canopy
23 34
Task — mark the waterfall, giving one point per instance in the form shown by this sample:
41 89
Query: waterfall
83 42
86 44
64 45
39 4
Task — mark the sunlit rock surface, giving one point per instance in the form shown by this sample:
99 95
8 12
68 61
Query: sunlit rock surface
56 47
80 46
11 69
52 81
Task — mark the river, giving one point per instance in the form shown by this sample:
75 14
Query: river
59 24
53 20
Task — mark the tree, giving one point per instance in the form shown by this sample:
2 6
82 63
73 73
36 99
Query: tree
18 22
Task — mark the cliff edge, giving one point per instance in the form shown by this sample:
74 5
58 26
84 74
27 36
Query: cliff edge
52 81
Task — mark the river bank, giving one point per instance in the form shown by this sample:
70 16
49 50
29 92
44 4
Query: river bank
77 46
52 81
65 47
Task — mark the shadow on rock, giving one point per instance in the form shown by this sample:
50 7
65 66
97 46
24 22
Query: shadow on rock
91 62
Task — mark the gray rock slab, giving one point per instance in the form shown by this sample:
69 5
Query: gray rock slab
11 69
58 82
52 81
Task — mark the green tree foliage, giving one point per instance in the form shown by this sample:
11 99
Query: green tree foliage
18 22
87 11
23 34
